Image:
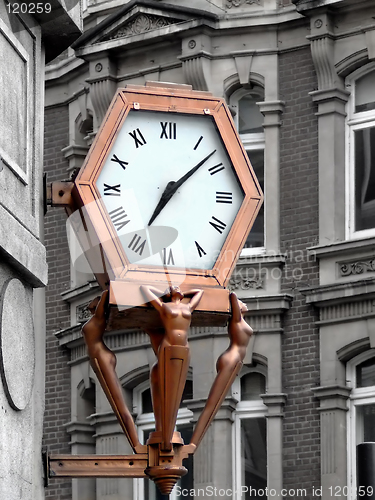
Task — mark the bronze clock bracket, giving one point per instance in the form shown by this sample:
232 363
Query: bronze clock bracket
59 194
164 468
162 457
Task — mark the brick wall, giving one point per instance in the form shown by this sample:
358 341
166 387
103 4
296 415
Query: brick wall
57 412
299 230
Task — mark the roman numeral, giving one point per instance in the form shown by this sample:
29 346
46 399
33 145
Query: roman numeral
167 257
199 141
200 249
139 140
136 245
112 190
120 162
168 130
117 216
218 224
224 197
216 168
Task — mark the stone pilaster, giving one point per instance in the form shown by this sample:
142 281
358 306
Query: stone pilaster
333 409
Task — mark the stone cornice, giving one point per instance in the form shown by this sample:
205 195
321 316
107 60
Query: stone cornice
342 302
342 248
81 291
308 7
322 295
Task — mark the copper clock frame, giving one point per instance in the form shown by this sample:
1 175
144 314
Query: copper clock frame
173 99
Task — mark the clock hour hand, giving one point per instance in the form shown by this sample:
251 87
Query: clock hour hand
172 187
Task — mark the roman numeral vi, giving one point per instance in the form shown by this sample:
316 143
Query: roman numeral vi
167 257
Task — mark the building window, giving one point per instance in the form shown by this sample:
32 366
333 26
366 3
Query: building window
145 489
361 153
250 435
361 426
249 122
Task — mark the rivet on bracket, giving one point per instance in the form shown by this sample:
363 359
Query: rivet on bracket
207 111
136 105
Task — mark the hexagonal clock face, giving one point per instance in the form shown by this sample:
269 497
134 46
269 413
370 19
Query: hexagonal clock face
170 189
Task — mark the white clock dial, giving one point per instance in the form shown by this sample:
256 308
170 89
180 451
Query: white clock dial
151 150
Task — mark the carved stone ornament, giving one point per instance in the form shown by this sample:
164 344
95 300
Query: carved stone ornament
238 3
141 24
357 267
246 282
82 312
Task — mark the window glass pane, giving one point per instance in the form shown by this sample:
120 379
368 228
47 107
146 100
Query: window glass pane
187 482
252 385
254 457
256 236
366 416
364 147
146 401
366 373
365 93
250 119
187 394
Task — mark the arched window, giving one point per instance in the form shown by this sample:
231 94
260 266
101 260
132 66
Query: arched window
361 153
249 122
361 415
144 488
250 434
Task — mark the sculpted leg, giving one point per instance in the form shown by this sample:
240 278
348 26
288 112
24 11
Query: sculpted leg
173 365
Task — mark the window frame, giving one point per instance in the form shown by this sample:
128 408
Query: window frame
251 142
358 397
355 121
244 410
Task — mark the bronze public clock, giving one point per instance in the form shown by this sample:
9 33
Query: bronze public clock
172 194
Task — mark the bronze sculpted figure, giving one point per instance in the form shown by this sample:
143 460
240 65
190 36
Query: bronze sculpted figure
228 365
168 375
103 362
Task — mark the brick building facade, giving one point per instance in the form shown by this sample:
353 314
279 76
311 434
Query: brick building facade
298 77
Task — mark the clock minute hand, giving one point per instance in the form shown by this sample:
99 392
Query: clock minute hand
185 177
172 187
